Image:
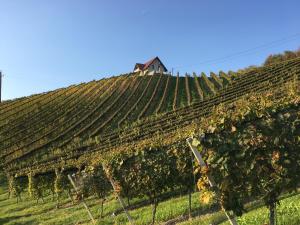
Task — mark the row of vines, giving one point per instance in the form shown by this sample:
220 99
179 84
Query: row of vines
271 78
251 148
53 129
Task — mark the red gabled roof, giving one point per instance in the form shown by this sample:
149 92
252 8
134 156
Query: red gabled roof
147 64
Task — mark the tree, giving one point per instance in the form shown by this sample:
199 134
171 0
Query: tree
148 172
17 185
62 183
96 183
276 58
184 167
35 187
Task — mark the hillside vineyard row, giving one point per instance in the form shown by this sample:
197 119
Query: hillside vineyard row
90 109
127 135
62 127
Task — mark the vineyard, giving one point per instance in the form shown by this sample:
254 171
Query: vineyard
127 134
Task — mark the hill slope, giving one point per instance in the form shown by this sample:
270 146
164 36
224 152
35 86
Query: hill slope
56 118
46 137
51 128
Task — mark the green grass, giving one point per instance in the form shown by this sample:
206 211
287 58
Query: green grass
167 210
288 213
30 212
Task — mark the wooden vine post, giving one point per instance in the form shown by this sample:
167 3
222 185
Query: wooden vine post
119 198
82 199
230 216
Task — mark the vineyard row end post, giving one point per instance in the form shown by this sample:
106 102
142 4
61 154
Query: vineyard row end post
119 198
83 202
211 181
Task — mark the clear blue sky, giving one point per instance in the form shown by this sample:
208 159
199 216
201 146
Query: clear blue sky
55 43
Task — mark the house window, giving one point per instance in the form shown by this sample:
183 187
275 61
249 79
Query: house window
152 67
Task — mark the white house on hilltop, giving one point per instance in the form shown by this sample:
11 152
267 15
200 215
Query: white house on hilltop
151 67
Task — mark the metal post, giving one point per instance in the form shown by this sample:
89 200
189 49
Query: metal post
83 202
122 204
1 86
211 181
120 199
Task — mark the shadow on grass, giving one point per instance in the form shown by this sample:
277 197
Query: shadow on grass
6 220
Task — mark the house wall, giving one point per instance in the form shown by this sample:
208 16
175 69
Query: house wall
155 67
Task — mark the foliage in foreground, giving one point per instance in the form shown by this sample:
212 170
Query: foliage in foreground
152 168
252 150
